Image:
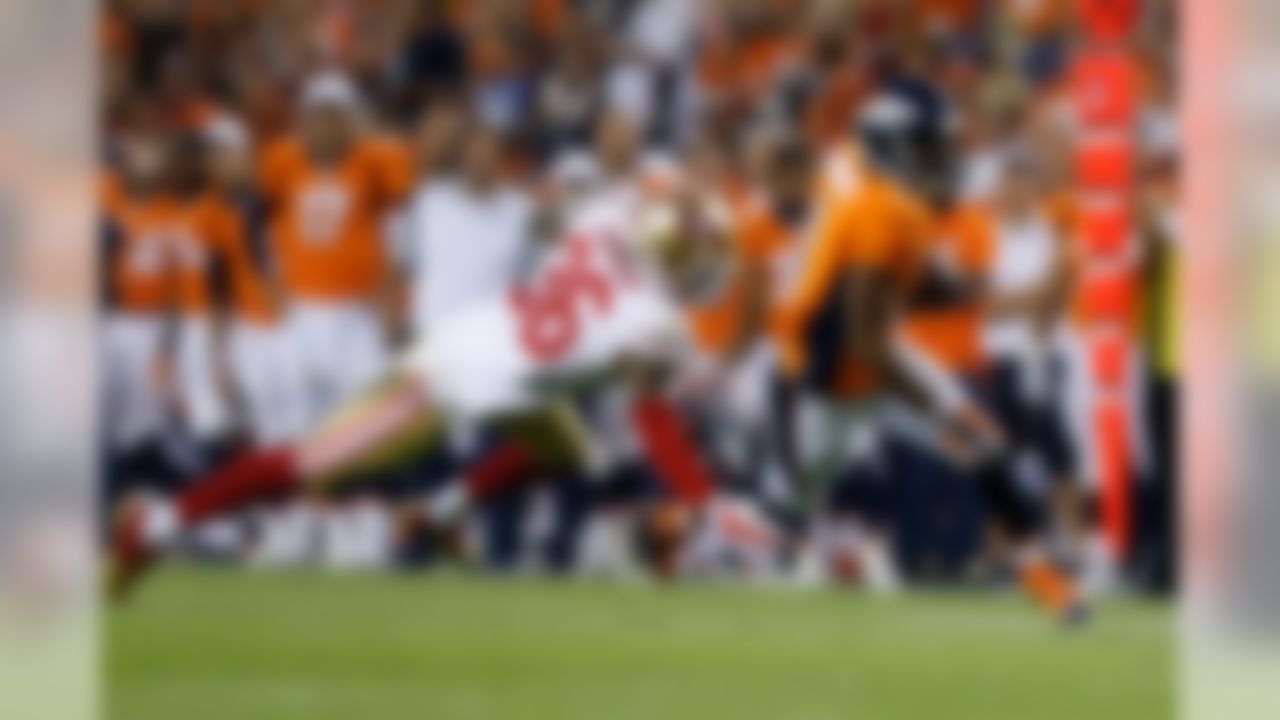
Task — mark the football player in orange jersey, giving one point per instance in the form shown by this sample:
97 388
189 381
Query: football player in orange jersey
842 336
722 319
955 299
945 320
261 357
139 286
201 387
329 192
749 327
768 196
832 323
259 354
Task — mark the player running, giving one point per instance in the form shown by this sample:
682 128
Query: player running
871 269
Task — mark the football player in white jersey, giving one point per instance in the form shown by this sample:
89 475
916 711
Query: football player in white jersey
600 309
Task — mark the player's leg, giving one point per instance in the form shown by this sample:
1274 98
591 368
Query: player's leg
134 403
1018 520
360 350
866 517
247 354
1069 505
536 444
205 407
269 381
353 360
700 526
308 328
542 440
380 429
967 438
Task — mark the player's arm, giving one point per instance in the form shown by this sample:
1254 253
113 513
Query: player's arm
259 250
754 240
1060 284
397 279
218 235
1044 301
942 285
1017 303
258 214
905 371
755 294
963 281
876 295
273 175
110 239
940 289
872 304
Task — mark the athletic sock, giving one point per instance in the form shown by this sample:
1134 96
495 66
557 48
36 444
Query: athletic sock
250 478
498 471
671 450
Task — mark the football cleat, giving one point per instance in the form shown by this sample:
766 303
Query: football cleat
131 555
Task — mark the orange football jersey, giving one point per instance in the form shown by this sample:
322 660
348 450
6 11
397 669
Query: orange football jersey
964 240
717 323
230 230
141 272
327 221
865 222
194 255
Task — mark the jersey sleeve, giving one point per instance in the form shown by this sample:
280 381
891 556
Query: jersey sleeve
216 232
826 254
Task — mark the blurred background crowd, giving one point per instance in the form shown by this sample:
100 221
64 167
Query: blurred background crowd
471 115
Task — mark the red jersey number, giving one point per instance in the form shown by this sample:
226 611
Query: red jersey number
551 312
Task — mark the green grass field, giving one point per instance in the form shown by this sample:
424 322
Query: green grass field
198 645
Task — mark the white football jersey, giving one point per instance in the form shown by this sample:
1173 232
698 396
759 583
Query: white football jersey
590 303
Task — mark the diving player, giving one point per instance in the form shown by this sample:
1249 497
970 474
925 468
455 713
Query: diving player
598 309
